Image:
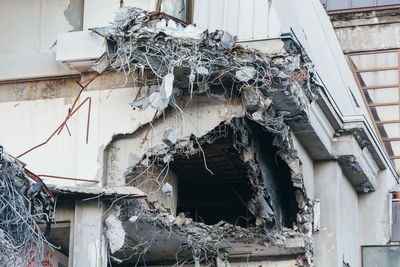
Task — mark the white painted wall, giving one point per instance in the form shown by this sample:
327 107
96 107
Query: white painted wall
374 212
99 13
246 19
30 122
313 28
29 30
348 245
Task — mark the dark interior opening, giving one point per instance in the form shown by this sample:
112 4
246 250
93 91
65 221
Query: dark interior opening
223 195
276 176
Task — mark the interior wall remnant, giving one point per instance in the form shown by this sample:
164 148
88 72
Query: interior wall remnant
277 178
160 185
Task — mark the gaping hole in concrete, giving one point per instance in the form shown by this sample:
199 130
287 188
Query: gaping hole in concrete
231 174
222 195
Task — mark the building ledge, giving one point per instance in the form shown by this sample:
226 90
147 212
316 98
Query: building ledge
357 163
80 49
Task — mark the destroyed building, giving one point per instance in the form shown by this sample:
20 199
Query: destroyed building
188 132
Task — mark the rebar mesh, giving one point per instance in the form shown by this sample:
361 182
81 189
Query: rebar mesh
23 206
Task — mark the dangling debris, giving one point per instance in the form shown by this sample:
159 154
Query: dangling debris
23 205
170 136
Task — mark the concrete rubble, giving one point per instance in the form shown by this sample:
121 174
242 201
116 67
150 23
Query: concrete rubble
173 60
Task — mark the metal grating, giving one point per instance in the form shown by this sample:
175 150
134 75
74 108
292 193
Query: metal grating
377 76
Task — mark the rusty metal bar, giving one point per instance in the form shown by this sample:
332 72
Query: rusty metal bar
68 178
71 112
383 104
88 120
148 129
380 86
58 128
37 179
387 122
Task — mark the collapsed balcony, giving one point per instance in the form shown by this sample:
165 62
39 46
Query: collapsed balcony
236 191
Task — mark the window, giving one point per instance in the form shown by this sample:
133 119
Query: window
377 75
382 256
395 217
180 9
349 4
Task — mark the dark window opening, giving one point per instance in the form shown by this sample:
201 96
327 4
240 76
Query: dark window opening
223 195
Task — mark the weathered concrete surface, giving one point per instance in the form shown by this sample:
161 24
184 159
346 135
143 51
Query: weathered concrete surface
326 240
306 167
29 51
89 247
356 163
337 239
374 212
366 31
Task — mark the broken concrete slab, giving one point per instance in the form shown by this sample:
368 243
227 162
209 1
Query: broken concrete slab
101 192
170 136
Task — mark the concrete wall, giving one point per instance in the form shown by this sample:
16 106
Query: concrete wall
316 34
348 220
307 167
99 13
89 247
326 190
28 45
246 19
337 240
366 31
348 223
33 110
152 183
374 211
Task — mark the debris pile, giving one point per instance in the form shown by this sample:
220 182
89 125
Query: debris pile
23 205
167 55
173 62
197 241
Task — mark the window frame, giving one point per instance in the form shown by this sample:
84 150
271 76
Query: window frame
189 11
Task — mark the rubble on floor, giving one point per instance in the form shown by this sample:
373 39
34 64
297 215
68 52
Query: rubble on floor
23 205
194 240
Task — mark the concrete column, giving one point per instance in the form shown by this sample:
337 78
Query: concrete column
326 190
89 247
337 240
